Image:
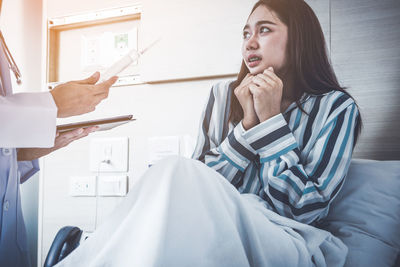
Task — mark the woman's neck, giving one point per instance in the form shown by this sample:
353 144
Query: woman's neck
288 89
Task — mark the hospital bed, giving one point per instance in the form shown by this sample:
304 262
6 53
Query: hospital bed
365 216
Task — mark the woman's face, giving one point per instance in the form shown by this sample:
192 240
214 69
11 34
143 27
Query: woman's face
264 41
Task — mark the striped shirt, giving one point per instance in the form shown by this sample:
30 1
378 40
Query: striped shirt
295 162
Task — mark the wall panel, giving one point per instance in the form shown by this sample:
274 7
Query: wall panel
365 52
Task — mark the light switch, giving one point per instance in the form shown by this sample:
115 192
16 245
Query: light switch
109 154
112 185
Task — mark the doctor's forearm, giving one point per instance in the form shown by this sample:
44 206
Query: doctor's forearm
62 140
28 154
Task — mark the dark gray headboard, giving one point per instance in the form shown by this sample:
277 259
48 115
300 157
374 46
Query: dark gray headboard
364 41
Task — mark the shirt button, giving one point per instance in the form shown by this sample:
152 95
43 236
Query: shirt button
7 151
6 205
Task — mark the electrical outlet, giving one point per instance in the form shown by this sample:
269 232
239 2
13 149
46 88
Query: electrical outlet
82 186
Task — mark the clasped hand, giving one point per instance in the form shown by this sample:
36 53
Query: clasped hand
260 97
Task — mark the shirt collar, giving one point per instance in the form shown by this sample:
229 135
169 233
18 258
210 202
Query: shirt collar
304 98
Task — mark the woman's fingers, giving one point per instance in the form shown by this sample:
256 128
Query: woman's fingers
243 91
253 84
247 78
271 74
245 82
253 88
261 81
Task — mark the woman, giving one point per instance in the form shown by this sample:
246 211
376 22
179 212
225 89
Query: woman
282 135
285 129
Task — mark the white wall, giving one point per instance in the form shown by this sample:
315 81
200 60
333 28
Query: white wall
163 109
21 27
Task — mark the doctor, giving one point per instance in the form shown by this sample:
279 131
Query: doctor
27 132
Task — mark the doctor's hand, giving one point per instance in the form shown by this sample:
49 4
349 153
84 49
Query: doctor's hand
79 97
62 140
245 99
266 89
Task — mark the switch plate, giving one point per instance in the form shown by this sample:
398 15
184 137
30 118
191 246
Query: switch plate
109 154
112 185
82 186
91 52
162 146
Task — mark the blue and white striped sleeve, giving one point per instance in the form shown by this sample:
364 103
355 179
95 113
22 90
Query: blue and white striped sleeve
229 157
303 189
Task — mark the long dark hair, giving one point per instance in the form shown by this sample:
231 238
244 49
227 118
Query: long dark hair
307 61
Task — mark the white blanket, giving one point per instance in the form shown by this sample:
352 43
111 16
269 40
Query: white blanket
182 213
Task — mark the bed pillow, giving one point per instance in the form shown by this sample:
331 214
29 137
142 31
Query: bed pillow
366 213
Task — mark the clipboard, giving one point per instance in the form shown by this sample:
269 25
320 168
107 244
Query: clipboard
104 124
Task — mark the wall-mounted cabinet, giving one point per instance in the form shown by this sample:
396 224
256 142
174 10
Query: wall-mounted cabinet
79 45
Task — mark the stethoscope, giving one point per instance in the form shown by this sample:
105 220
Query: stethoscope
11 62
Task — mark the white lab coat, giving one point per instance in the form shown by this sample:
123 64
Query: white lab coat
26 120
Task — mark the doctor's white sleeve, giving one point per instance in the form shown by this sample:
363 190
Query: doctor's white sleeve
27 120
